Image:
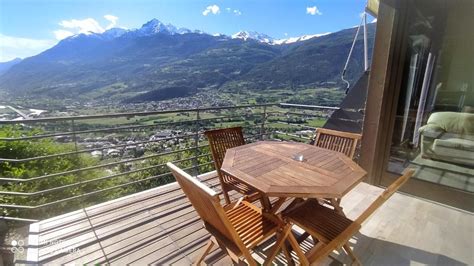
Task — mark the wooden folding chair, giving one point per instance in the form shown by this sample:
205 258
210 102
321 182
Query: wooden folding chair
344 142
331 229
334 140
236 228
219 141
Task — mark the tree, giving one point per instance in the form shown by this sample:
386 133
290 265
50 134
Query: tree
42 168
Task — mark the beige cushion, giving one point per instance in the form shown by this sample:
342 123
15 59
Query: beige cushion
459 144
459 123
431 131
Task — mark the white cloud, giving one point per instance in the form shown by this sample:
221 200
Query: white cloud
113 21
82 26
313 10
214 9
12 47
230 10
373 20
86 26
62 34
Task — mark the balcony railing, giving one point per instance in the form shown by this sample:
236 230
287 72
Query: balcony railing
50 166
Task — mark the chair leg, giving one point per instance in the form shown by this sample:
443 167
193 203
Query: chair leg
287 254
281 237
207 249
351 254
226 196
248 256
296 247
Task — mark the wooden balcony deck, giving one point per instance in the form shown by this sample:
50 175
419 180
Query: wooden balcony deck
159 226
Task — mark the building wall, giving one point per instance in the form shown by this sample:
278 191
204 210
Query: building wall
459 54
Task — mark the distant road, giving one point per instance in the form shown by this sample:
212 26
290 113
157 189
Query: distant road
25 116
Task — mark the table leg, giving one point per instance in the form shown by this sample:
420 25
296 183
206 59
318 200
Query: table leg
294 204
277 205
336 203
266 204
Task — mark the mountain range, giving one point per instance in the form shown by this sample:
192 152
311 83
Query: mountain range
159 61
5 66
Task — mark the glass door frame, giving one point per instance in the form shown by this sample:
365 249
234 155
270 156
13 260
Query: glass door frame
385 81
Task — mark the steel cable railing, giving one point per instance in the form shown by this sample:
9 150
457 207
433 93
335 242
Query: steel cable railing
179 141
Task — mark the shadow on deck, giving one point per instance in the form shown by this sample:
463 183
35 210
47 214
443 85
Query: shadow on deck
159 226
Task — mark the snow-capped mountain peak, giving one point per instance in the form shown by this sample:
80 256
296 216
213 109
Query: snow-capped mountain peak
300 38
246 35
114 33
152 27
155 26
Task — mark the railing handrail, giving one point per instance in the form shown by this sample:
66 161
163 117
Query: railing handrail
146 113
309 106
111 129
131 114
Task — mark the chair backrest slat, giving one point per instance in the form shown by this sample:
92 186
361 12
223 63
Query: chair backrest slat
219 141
344 142
206 202
388 192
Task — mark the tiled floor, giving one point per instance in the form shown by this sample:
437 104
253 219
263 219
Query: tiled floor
159 226
439 172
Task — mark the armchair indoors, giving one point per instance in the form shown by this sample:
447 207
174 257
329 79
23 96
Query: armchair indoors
449 136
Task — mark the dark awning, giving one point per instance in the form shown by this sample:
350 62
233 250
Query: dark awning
350 116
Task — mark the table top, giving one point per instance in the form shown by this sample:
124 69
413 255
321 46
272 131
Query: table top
270 167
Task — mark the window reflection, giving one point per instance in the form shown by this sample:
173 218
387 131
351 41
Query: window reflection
434 127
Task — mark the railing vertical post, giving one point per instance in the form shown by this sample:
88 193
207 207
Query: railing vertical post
264 118
196 143
74 137
74 134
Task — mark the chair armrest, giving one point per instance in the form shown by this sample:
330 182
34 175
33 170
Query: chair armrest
431 131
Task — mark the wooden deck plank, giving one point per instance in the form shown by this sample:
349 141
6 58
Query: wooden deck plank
161 227
84 256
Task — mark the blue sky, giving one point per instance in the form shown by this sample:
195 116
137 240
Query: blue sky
28 27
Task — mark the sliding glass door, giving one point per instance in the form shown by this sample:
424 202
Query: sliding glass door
433 129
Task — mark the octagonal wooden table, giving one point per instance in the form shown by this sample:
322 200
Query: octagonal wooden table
270 167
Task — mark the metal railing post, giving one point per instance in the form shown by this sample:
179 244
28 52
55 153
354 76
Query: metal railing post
74 137
74 134
264 118
196 143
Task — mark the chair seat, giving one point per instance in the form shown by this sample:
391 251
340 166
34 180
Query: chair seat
322 222
331 230
251 225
